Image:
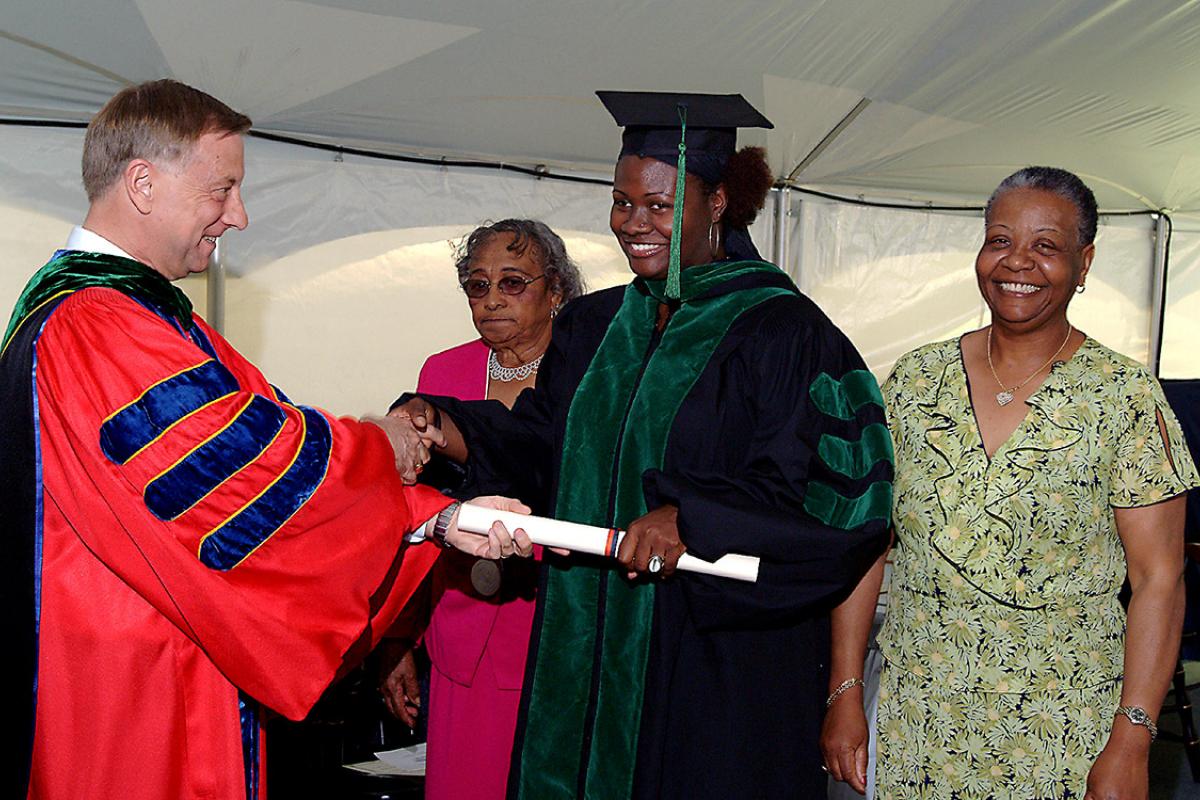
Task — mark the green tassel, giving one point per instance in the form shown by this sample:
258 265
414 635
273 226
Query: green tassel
677 220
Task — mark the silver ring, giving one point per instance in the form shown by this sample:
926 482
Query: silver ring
825 768
655 564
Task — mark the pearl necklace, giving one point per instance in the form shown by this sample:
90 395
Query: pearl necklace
499 372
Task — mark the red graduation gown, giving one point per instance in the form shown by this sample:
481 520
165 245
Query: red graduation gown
205 545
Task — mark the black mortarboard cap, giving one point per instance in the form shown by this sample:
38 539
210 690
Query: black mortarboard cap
652 122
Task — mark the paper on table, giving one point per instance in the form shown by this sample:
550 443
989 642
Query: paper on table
405 761
594 540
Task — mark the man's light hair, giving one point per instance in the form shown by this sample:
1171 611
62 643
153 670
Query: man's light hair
157 121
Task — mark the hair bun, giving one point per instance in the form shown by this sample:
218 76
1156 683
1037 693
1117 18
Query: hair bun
747 181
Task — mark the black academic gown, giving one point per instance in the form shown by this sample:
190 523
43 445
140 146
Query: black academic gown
738 672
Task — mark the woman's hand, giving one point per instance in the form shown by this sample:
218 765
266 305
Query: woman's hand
1122 770
499 542
844 739
398 681
1153 540
654 534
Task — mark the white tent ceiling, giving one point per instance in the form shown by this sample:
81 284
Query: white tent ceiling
932 101
959 92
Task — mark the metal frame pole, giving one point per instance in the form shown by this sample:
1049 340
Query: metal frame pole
1158 291
782 206
215 284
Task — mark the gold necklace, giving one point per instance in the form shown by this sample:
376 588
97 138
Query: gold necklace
1005 396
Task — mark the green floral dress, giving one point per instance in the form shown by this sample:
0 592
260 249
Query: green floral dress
1004 639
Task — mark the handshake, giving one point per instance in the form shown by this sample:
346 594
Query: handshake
413 431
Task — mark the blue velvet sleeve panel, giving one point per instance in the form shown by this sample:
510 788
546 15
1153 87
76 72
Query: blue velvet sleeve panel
126 432
245 531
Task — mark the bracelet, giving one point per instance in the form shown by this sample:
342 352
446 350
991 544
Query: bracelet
1138 716
842 688
442 523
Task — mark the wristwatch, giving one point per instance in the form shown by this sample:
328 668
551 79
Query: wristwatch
442 523
1138 716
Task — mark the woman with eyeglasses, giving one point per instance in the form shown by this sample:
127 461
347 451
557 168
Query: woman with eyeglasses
516 274
707 407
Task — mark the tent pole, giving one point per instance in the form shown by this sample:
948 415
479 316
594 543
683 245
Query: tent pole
1158 291
215 284
834 133
782 201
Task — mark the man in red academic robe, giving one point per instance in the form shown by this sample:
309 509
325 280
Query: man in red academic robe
184 542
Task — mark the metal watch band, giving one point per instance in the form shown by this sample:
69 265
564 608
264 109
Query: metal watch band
1138 716
442 523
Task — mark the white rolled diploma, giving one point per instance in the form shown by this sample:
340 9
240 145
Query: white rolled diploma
594 540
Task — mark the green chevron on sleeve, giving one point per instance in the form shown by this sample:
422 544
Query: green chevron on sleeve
824 503
843 398
855 459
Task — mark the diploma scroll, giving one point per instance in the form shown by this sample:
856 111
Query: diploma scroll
596 541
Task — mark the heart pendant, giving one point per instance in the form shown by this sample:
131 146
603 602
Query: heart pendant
1004 398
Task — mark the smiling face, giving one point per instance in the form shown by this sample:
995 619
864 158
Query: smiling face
642 216
1031 260
194 201
510 319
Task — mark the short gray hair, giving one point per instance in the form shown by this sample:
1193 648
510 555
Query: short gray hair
562 273
1066 185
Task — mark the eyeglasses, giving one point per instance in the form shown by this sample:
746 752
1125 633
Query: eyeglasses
509 284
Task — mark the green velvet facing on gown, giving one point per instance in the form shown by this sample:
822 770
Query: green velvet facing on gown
847 513
617 428
73 270
841 397
855 459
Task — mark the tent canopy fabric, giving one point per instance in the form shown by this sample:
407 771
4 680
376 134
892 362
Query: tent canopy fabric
947 96
343 282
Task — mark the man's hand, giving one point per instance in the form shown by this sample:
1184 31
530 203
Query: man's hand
437 429
654 534
420 412
410 445
398 681
499 542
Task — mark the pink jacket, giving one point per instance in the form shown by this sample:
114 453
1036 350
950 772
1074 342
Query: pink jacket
463 624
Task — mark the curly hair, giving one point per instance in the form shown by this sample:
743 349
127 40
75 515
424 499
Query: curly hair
562 272
747 182
1066 185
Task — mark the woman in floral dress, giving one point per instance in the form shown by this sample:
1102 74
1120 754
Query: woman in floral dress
1035 468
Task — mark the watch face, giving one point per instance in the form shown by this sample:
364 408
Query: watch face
1139 716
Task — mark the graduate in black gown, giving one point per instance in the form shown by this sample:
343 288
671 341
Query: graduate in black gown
710 407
